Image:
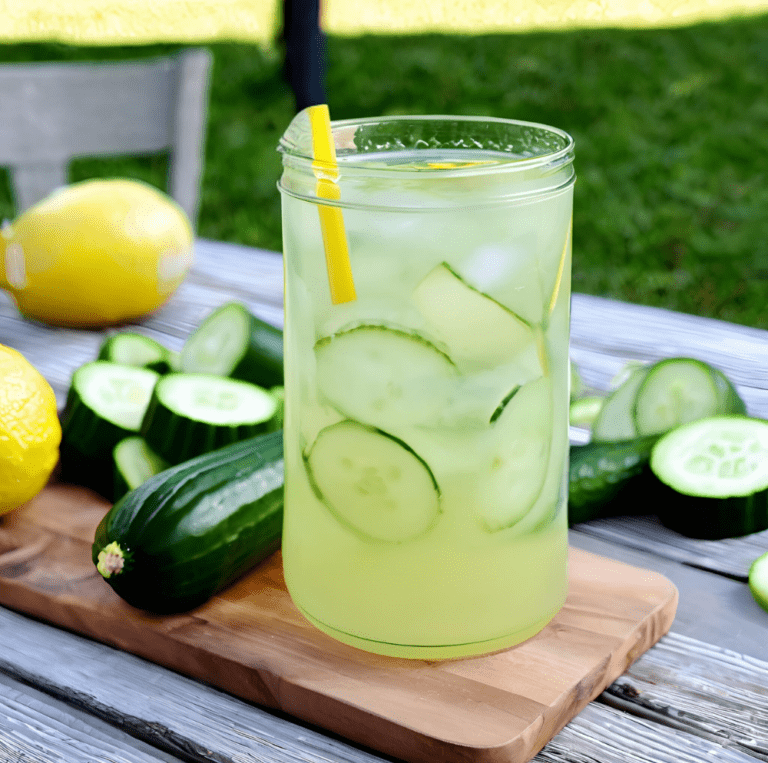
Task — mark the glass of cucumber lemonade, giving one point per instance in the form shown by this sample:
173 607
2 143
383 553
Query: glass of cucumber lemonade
426 421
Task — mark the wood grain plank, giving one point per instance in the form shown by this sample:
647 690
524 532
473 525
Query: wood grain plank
164 707
730 556
34 728
713 693
601 734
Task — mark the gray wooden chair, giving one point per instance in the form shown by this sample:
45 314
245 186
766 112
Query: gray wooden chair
52 113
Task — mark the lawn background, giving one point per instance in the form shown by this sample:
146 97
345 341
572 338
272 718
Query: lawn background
671 131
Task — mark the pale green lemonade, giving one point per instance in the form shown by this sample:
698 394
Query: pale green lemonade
426 424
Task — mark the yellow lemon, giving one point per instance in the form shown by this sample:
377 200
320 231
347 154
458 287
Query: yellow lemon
30 432
96 253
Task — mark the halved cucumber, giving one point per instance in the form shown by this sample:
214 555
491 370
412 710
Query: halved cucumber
758 580
135 462
517 469
375 374
478 331
718 468
678 390
373 483
231 341
192 414
106 402
133 349
615 421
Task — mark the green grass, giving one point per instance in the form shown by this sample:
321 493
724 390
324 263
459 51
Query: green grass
671 203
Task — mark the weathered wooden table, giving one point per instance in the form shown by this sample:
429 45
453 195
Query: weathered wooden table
700 693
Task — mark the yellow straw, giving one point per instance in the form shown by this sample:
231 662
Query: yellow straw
331 220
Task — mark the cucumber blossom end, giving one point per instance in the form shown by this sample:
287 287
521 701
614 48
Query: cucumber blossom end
112 560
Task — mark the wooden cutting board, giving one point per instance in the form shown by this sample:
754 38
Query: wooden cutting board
251 641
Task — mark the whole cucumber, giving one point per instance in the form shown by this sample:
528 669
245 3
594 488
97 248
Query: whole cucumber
188 532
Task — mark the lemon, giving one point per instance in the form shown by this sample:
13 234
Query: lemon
96 253
30 432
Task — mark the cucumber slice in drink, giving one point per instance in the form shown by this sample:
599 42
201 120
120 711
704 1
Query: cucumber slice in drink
133 349
373 483
135 462
517 468
616 421
758 580
383 375
231 341
718 468
192 414
478 331
678 390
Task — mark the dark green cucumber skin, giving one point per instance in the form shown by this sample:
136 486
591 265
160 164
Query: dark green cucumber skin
714 518
192 530
610 479
178 439
262 363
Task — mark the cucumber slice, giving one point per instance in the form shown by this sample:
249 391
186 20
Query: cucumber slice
758 580
583 411
478 331
192 414
616 420
373 483
718 468
678 390
516 471
134 463
377 374
231 341
133 349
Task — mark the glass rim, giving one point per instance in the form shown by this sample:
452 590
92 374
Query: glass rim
343 131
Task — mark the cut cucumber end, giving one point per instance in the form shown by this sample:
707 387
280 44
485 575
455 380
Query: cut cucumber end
583 411
192 414
679 390
615 421
715 457
133 349
718 468
115 392
219 342
134 463
216 400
